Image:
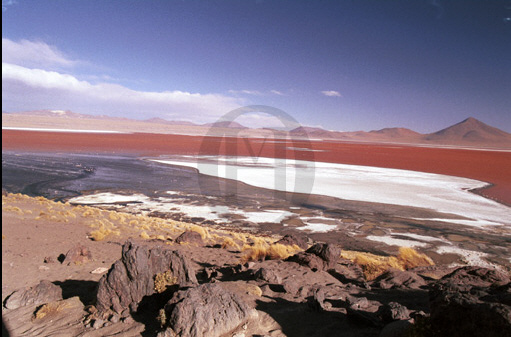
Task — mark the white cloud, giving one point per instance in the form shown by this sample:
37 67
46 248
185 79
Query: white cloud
35 54
246 92
27 89
331 93
256 92
276 92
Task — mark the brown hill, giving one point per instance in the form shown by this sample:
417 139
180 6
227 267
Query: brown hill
226 124
395 133
470 131
159 120
308 131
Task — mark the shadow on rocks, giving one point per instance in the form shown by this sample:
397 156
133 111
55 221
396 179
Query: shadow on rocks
298 319
149 309
85 290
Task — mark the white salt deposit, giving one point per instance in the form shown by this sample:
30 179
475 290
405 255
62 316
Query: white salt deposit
420 237
315 227
218 213
438 192
273 216
466 222
108 198
471 257
303 149
389 240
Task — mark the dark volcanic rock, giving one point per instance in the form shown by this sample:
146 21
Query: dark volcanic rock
290 240
327 252
363 311
42 293
206 310
471 301
321 256
312 261
398 279
78 255
394 311
268 275
190 237
317 301
476 277
349 272
132 277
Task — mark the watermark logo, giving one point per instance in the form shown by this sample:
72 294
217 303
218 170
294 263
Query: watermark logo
279 161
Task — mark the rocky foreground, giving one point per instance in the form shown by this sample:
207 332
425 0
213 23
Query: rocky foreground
189 285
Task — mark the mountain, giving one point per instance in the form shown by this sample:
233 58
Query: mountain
469 131
158 120
308 131
395 133
52 113
226 124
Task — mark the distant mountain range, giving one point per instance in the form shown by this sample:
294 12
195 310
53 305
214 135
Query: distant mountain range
469 132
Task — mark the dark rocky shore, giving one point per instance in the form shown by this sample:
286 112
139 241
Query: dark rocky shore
194 290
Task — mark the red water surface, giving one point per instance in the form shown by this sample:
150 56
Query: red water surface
489 166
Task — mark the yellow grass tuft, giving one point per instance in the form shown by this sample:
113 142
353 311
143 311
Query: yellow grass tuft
252 289
144 235
229 243
275 251
375 265
201 230
164 280
50 309
12 209
410 258
104 228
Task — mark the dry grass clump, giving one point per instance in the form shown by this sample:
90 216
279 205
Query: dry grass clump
410 258
201 230
164 280
375 265
104 228
14 209
275 251
144 235
49 309
230 243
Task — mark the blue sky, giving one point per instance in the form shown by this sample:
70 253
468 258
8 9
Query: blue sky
343 65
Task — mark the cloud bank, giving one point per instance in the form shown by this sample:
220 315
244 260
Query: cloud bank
34 54
32 78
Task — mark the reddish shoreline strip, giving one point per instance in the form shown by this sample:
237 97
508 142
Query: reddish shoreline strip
493 167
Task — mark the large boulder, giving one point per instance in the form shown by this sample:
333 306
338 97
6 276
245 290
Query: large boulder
133 276
41 293
321 256
190 237
290 240
79 254
208 310
471 301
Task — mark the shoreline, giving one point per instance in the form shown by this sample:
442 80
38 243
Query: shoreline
487 166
